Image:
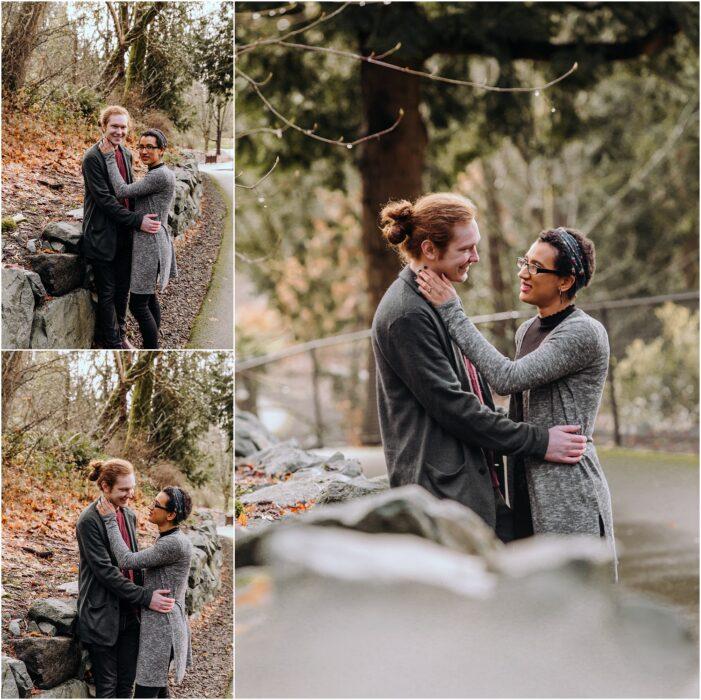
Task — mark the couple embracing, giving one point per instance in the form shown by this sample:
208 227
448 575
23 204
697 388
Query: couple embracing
438 422
125 237
131 603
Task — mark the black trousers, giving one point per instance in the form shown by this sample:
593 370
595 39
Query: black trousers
153 691
504 528
147 312
114 667
112 284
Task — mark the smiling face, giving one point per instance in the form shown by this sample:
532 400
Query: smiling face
454 261
149 152
158 514
121 492
115 131
543 288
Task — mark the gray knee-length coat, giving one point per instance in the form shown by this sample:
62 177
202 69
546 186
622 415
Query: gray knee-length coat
562 383
167 565
153 256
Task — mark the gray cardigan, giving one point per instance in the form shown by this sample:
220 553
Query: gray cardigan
153 255
562 383
434 429
167 565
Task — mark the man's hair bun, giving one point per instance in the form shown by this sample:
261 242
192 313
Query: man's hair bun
95 465
397 221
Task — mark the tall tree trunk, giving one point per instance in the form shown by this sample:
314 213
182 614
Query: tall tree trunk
136 65
497 250
18 45
391 167
13 364
113 71
142 393
115 414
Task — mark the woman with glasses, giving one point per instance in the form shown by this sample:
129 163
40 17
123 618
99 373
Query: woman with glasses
557 378
153 256
165 637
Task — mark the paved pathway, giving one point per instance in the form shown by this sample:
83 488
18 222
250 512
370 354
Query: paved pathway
214 325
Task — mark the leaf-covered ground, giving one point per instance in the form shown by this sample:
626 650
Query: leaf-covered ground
248 478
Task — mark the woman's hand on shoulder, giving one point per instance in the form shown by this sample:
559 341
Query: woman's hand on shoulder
105 146
104 507
438 290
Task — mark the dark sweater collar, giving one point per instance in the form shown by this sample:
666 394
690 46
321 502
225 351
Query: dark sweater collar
155 167
549 322
169 532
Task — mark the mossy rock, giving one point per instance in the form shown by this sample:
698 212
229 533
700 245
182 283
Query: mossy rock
8 224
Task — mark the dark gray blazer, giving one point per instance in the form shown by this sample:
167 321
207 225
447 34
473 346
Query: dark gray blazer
101 585
434 429
104 218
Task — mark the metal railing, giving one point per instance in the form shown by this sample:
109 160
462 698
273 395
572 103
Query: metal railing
319 419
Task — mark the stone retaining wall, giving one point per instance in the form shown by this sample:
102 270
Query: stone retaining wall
407 595
47 654
50 305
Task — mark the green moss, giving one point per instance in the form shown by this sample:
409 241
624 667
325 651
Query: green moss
8 224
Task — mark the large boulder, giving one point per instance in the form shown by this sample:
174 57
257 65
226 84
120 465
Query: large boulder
71 587
390 620
60 272
312 484
49 660
188 192
16 682
204 579
251 435
287 458
389 559
66 322
57 612
17 308
338 490
65 233
408 510
72 688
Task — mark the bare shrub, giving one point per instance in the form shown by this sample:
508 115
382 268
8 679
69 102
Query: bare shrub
167 474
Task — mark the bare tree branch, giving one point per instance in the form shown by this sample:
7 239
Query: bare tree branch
310 132
253 187
272 40
423 74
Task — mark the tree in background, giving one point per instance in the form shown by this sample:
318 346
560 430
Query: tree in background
73 56
67 408
314 81
212 46
517 40
21 27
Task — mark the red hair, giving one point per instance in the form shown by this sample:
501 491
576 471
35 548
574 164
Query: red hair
431 217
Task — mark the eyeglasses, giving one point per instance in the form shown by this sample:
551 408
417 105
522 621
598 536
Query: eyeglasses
156 504
147 147
533 269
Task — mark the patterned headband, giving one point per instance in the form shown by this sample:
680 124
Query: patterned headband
575 254
178 502
160 137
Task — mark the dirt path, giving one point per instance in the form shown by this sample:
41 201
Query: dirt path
211 675
214 325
